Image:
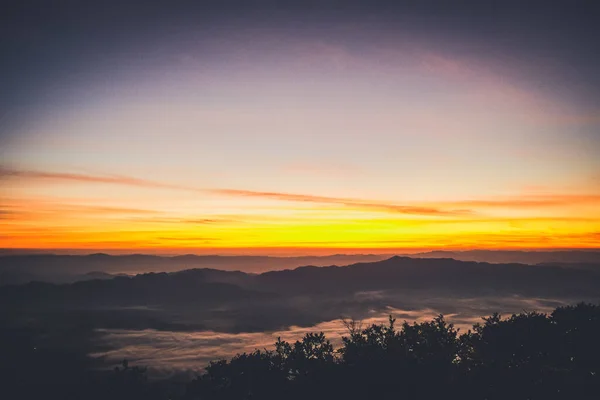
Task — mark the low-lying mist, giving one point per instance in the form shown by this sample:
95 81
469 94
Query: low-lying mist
176 322
184 353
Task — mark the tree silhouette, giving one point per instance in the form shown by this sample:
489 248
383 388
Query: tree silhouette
525 356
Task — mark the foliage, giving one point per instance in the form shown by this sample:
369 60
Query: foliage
525 356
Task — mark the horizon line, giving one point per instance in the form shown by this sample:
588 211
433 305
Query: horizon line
277 252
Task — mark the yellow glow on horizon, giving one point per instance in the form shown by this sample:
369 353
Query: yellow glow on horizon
307 228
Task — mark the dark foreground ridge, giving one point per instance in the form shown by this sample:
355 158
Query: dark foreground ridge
527 356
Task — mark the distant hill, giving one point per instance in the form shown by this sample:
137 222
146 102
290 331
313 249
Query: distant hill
145 290
514 256
237 301
17 269
442 275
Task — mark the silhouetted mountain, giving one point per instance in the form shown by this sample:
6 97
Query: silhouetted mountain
235 301
148 290
443 275
73 317
17 277
16 269
96 275
587 266
515 256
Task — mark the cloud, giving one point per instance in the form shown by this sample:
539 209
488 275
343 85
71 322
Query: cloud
177 220
23 208
6 214
348 202
112 210
131 181
452 208
208 221
545 200
188 239
69 176
491 82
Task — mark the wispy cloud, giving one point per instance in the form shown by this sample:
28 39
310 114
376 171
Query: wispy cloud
209 221
5 214
444 208
112 210
188 239
187 221
493 83
131 181
23 207
528 201
77 177
348 202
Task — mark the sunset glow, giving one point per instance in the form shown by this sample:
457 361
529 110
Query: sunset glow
314 199
262 141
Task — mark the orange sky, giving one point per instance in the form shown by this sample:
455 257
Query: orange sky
353 139
167 218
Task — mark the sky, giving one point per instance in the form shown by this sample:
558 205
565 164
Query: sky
299 127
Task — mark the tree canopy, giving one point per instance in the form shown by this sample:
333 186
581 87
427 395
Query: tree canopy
525 356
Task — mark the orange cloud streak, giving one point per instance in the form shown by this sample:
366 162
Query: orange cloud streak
69 176
547 200
130 181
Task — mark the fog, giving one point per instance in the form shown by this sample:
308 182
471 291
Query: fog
175 323
178 353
